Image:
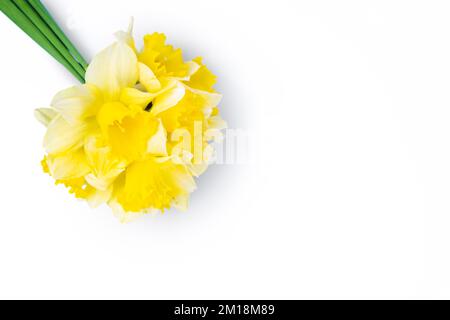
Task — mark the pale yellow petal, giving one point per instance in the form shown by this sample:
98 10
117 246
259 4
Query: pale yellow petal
198 168
98 197
135 97
216 122
180 155
113 69
203 78
78 102
193 67
215 126
68 166
104 167
127 36
168 99
62 136
211 99
148 79
45 115
121 214
157 144
181 202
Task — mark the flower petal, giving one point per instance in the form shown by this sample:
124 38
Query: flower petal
121 214
62 136
157 144
211 99
168 99
152 184
203 78
193 67
113 69
181 202
148 78
78 102
135 97
217 123
127 36
45 115
105 168
198 168
98 197
68 166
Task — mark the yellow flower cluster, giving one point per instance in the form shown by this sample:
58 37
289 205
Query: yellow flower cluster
137 132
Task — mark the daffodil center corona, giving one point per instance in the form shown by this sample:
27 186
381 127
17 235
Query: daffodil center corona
111 113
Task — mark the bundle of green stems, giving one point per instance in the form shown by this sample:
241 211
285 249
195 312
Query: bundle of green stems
33 18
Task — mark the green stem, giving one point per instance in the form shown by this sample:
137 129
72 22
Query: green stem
46 16
28 10
23 22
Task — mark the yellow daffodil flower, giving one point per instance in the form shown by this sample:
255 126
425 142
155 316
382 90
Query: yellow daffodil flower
116 138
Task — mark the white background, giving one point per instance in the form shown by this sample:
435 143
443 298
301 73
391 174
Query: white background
348 195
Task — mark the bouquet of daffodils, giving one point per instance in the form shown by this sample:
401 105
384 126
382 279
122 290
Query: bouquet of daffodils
138 128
